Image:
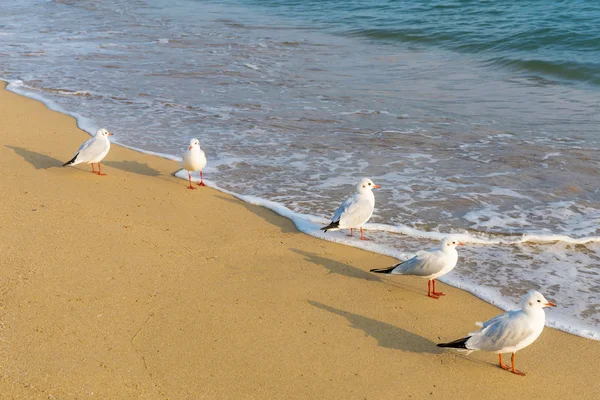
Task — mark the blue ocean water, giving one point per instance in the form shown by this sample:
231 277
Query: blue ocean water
476 118
550 39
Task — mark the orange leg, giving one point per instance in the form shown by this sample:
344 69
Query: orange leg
362 234
432 295
93 169
351 233
434 292
502 365
99 171
201 180
190 179
513 369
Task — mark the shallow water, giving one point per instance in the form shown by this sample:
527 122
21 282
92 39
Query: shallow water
293 106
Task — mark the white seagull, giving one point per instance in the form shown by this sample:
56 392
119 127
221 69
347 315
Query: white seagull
430 264
509 332
194 160
356 210
92 151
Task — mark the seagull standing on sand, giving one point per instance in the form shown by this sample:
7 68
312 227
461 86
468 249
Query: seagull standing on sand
509 332
430 264
92 151
356 210
194 160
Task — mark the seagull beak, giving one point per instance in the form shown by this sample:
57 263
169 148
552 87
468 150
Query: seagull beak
191 147
110 134
376 186
550 304
461 244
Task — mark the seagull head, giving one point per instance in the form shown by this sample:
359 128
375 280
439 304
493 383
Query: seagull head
103 133
366 185
194 143
450 243
535 300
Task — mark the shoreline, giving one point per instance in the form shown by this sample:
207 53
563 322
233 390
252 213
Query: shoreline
129 286
311 224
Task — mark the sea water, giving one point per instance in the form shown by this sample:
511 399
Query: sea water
478 119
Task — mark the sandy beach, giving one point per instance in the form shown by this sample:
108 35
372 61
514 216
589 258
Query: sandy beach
129 286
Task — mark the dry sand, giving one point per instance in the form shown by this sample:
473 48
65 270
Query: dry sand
130 286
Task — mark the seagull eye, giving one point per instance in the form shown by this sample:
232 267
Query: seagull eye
369 184
539 301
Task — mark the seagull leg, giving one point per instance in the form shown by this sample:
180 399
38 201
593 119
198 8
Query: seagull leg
351 234
362 234
434 292
99 172
201 180
432 295
190 179
93 169
513 369
502 365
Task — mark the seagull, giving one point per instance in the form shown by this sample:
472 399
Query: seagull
509 332
356 210
430 264
92 151
194 160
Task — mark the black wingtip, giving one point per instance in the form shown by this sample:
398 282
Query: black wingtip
71 161
457 344
384 270
332 225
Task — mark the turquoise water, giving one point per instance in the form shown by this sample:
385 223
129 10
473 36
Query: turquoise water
551 39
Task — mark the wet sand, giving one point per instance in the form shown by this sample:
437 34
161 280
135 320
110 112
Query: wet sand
130 286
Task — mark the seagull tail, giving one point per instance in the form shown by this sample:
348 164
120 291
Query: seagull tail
71 161
385 270
331 226
457 344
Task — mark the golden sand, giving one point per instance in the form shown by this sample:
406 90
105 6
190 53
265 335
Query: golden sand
129 286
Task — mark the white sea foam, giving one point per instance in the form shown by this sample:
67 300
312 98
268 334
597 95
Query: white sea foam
311 225
252 66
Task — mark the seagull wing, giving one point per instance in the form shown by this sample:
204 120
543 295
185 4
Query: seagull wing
91 149
506 330
425 263
357 213
347 205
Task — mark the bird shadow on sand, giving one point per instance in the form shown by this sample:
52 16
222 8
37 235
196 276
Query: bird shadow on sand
286 225
38 160
133 166
388 336
336 267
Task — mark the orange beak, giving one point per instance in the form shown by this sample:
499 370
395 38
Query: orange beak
191 147
110 134
376 186
461 244
550 304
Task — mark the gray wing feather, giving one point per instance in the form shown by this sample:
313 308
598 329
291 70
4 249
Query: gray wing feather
423 264
503 331
346 205
85 144
91 149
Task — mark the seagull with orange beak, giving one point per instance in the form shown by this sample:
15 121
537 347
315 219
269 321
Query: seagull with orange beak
194 160
430 264
356 210
509 332
92 151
